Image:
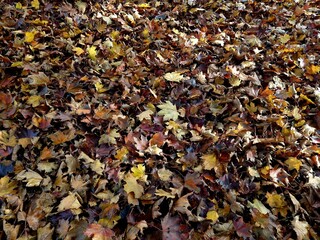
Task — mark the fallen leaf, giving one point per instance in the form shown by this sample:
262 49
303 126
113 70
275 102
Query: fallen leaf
173 77
133 186
168 111
32 178
293 163
212 215
92 52
99 232
170 228
35 4
301 228
7 186
70 202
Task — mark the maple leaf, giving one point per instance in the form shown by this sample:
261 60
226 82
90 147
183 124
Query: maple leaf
92 52
293 163
78 51
173 77
6 186
145 115
139 171
39 79
61 137
98 232
170 228
110 137
168 111
133 186
29 36
278 202
70 202
210 161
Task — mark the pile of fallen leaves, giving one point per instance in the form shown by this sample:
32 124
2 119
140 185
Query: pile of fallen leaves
159 119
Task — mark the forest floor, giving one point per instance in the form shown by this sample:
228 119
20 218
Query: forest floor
160 119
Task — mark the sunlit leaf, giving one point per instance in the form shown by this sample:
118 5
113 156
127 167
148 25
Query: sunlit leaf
29 36
173 76
212 215
293 163
92 52
168 111
35 4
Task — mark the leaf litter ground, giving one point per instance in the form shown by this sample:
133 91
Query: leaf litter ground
159 120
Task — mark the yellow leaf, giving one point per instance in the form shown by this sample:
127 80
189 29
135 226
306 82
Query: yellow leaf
209 161
138 172
40 22
304 97
92 52
17 64
173 77
6 186
18 5
285 38
276 200
293 163
34 101
78 51
162 193
168 111
29 36
121 153
100 87
144 5
212 215
133 186
313 69
35 4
